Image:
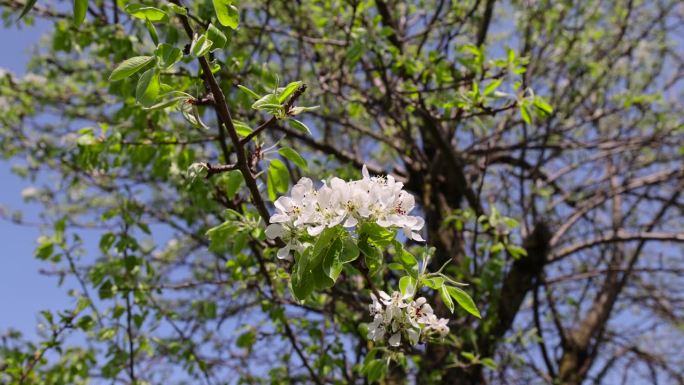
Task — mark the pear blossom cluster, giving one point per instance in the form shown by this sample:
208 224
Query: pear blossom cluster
309 211
398 318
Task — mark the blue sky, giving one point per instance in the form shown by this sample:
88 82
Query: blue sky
23 290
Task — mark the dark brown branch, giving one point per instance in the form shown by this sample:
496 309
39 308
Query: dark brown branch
615 238
219 168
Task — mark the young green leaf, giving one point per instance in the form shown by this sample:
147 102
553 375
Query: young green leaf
80 8
277 178
525 113
200 46
446 298
166 103
407 285
490 363
516 251
354 53
130 66
463 300
233 181
249 92
267 101
226 13
294 157
288 90
242 128
407 259
216 36
148 87
380 236
299 109
372 255
177 9
247 339
543 106
168 55
492 87
375 370
434 283
299 126
142 12
152 31
301 282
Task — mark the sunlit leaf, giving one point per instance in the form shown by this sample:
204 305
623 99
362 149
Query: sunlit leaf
130 66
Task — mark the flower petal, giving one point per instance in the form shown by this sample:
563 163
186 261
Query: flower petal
395 340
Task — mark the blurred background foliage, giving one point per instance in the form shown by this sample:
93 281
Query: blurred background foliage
543 141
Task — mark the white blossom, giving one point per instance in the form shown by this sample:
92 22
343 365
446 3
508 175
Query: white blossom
379 200
286 233
397 319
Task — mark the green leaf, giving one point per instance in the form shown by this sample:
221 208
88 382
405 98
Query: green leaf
396 266
200 46
278 178
177 9
375 370
226 13
434 283
81 304
516 251
496 248
341 251
350 252
294 157
299 126
354 53
249 92
168 55
490 363
221 234
246 340
446 298
372 255
147 90
233 182
166 103
492 87
525 113
27 7
301 283
380 236
80 8
407 285
323 241
543 106
288 90
299 109
216 36
463 300
242 128
407 259
45 249
266 102
144 12
106 334
129 67
330 265
152 31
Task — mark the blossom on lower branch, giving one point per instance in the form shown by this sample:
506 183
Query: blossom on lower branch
397 318
308 211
